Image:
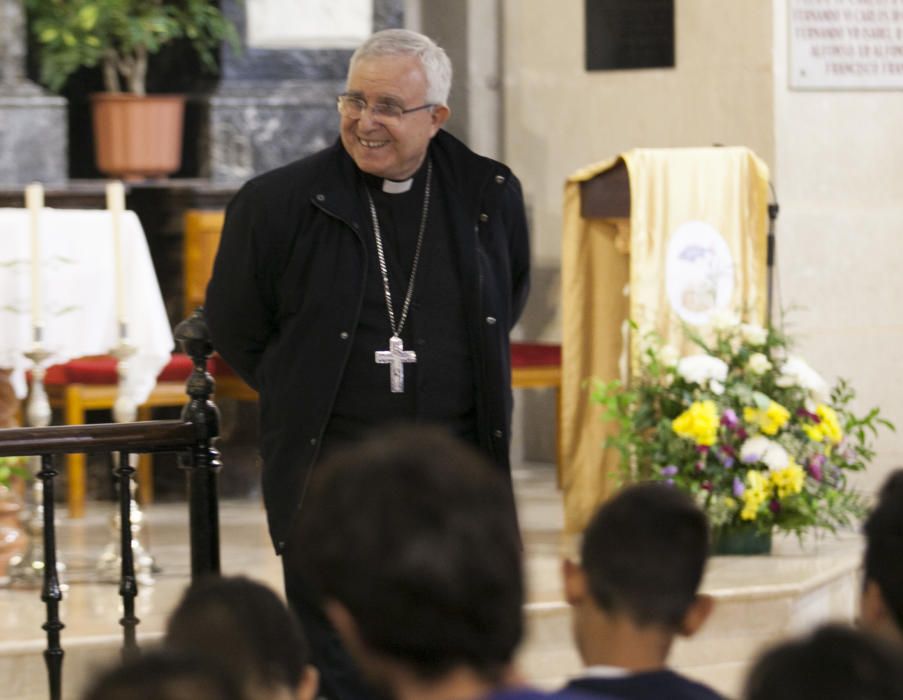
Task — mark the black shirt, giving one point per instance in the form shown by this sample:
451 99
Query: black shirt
439 387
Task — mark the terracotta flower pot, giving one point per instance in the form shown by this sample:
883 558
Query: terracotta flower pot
12 535
138 137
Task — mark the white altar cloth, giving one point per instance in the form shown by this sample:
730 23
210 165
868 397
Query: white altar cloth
79 293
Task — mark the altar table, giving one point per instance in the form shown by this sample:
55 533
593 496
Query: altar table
78 283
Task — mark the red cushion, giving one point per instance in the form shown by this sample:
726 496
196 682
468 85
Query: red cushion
535 355
217 366
102 370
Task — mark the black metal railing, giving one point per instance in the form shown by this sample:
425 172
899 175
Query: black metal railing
192 436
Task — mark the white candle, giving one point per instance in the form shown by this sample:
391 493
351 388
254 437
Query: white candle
116 205
34 202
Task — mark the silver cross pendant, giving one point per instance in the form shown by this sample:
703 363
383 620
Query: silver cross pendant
396 357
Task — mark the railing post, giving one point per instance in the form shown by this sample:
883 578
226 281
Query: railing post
128 583
202 463
52 591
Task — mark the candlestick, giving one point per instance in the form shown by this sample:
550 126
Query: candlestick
34 202
116 205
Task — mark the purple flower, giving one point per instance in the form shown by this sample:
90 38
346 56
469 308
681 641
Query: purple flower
803 413
729 419
707 485
670 470
774 506
751 458
816 464
742 434
702 449
727 455
739 488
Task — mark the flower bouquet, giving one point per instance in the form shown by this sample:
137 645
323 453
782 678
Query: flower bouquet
746 427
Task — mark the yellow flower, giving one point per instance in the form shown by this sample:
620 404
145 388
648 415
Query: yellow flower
829 423
699 423
770 421
828 428
757 491
814 432
789 480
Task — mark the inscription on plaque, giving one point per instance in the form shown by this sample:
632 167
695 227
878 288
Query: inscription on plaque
846 44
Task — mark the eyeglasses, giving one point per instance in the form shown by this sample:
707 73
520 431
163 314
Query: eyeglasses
383 112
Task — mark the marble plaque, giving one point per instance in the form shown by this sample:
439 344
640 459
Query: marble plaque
294 24
846 44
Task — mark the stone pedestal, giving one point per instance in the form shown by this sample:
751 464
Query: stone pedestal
32 122
274 106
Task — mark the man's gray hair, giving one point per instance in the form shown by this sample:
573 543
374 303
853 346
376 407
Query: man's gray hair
403 42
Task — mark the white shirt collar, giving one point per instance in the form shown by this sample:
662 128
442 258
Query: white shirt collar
603 672
397 186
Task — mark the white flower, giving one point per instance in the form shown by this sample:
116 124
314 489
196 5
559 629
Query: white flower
761 449
716 387
795 372
668 355
723 319
758 363
753 334
701 368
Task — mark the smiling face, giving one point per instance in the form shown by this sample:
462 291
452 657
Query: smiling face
392 151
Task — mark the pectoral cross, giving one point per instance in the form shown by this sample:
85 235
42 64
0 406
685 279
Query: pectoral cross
396 357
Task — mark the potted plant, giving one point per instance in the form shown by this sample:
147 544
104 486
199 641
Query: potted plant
746 427
120 36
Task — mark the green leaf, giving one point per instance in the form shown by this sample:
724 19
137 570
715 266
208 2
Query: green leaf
87 17
761 400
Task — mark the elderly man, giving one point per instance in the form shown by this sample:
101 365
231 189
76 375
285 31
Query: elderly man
373 282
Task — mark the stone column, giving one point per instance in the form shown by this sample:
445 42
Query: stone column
470 31
275 105
32 122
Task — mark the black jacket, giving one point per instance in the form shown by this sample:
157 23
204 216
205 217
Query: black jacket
288 283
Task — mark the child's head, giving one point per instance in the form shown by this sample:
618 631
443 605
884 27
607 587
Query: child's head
882 597
643 555
832 663
166 675
410 539
246 625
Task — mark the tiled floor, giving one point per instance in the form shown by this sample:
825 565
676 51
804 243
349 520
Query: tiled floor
760 598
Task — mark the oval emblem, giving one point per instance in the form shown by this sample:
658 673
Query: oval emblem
699 272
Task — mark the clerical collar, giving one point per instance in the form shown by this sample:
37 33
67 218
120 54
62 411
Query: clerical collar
397 186
394 186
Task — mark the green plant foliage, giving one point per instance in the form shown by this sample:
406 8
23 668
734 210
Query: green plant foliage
119 35
10 468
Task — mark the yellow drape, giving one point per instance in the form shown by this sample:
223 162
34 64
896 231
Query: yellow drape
727 189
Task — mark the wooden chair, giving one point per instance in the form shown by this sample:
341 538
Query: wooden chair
538 366
202 233
90 383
